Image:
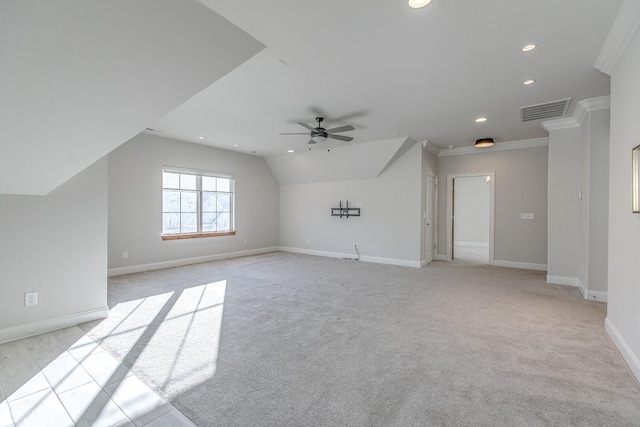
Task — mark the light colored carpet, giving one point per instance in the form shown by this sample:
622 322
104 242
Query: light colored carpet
290 340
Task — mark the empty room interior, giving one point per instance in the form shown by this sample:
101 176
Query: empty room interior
328 213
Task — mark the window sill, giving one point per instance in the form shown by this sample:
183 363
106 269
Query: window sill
196 235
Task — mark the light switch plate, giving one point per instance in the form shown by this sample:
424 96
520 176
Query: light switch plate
526 216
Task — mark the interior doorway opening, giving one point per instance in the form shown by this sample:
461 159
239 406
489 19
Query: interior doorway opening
470 217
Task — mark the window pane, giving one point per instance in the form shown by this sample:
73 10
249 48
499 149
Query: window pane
189 201
208 183
170 223
208 202
187 182
208 222
224 184
170 201
188 223
170 180
223 222
224 202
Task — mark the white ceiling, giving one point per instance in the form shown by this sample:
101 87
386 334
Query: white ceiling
391 71
80 77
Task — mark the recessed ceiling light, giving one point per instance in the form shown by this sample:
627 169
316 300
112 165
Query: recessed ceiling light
289 151
528 47
528 82
481 119
417 4
201 137
235 145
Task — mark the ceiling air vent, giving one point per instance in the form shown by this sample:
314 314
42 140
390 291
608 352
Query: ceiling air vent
548 110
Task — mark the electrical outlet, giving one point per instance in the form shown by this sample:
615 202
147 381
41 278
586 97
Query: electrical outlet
30 298
307 241
356 244
245 241
125 255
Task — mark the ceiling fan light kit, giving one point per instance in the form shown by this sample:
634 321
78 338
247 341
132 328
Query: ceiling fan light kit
320 134
484 142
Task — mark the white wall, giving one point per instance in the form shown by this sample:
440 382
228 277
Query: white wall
55 245
472 209
135 204
389 229
623 309
565 160
521 187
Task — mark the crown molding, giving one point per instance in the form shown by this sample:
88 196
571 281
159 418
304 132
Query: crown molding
501 146
624 27
431 148
579 113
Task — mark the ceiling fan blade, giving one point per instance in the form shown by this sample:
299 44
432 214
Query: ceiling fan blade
307 126
311 141
341 129
340 137
295 133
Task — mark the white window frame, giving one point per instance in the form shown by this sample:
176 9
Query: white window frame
198 174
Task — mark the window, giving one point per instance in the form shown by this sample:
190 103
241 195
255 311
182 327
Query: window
196 203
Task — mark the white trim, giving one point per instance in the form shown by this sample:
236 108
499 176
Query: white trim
523 265
624 349
35 328
471 244
559 280
431 148
186 261
579 113
501 146
622 31
440 257
596 296
377 260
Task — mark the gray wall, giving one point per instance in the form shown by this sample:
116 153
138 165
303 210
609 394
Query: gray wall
55 245
623 310
389 229
135 203
564 206
521 186
472 208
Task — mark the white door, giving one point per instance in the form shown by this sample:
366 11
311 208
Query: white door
429 238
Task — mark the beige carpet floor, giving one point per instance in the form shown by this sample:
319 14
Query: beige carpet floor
294 340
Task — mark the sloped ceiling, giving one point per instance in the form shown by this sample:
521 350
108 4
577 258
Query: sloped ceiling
342 163
79 78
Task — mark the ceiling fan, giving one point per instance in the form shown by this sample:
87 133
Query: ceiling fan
320 134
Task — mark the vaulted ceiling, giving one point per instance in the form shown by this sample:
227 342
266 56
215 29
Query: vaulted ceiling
82 77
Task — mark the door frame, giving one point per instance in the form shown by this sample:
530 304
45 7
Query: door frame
434 226
449 216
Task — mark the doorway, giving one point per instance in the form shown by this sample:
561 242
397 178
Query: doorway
470 217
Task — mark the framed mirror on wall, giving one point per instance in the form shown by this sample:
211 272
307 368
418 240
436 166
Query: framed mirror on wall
635 184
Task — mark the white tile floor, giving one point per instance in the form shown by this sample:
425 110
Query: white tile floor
64 378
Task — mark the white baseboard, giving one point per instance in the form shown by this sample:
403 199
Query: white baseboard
377 260
40 327
624 349
523 265
559 280
471 244
441 257
186 261
591 295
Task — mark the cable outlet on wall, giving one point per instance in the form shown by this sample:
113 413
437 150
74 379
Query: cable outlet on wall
125 255
30 298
